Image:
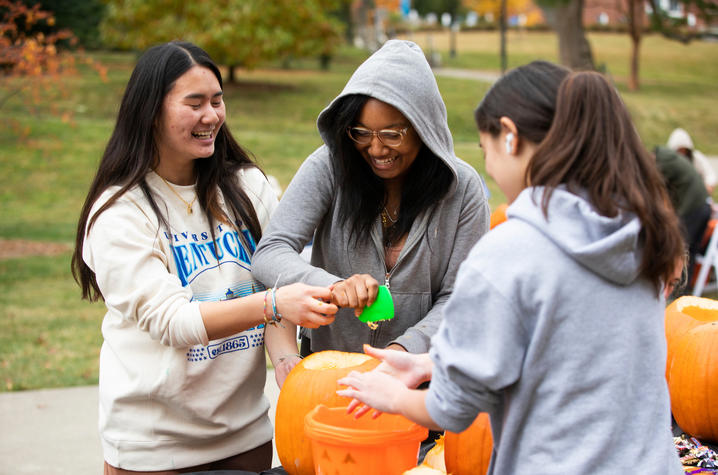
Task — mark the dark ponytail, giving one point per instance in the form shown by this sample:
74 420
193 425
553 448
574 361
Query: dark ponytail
587 141
592 145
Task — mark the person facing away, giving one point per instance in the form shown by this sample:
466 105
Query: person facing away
679 141
165 238
690 201
555 325
385 200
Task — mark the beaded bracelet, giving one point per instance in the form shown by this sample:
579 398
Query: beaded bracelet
276 316
267 321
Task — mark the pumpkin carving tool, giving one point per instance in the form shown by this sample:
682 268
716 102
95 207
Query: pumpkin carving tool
381 309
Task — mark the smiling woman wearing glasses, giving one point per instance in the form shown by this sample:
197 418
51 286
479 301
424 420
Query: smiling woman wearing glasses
386 202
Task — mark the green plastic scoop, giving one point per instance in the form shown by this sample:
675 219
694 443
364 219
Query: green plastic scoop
381 309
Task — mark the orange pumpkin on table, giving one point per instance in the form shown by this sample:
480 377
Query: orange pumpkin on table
469 452
313 381
693 382
682 315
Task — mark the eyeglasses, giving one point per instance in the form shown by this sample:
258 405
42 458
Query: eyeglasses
389 137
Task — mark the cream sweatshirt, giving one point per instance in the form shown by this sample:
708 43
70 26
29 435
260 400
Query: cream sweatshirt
169 397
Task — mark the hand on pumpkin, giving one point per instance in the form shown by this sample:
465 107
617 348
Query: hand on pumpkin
356 292
376 389
410 369
284 366
305 305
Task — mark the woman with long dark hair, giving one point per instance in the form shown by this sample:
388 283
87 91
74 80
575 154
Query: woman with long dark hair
555 327
385 201
165 238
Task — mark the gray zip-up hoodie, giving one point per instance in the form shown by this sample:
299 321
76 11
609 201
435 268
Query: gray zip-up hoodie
552 331
439 239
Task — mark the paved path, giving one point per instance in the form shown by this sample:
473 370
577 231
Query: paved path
54 431
467 74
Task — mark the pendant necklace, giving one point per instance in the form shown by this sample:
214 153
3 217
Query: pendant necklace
188 204
386 219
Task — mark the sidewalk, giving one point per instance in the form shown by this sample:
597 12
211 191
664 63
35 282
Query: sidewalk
484 76
54 431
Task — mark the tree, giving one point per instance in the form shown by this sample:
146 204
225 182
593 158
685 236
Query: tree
635 17
234 32
566 18
661 22
453 7
31 63
500 9
675 28
82 18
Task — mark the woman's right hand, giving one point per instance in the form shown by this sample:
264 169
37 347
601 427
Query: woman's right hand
357 292
305 305
410 369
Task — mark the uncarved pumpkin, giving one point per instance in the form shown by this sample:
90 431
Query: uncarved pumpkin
682 315
469 452
313 381
693 382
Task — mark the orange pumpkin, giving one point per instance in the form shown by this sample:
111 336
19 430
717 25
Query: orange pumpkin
313 381
693 382
682 315
469 452
498 216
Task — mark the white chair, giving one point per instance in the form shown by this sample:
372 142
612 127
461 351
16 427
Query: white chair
707 260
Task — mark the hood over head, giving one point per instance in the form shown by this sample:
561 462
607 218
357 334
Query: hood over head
399 74
608 246
679 138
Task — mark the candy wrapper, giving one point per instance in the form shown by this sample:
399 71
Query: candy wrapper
694 454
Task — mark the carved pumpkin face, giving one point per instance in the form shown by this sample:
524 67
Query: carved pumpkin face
346 445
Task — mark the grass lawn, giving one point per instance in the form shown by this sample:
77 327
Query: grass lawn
50 338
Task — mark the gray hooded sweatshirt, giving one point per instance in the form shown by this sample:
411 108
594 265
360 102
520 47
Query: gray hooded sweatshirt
552 331
439 239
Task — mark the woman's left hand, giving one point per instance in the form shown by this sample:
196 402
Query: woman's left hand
376 389
284 365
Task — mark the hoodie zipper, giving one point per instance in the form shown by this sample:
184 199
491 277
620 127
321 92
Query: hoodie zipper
387 278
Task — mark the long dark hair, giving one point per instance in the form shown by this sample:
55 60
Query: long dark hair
591 145
427 180
131 153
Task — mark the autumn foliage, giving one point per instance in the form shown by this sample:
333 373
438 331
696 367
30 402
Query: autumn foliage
32 64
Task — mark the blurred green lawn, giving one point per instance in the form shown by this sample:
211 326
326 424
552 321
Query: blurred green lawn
50 338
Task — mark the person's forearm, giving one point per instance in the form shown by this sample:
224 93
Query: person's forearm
413 407
227 317
281 342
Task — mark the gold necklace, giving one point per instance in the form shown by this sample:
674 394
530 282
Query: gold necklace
189 205
386 218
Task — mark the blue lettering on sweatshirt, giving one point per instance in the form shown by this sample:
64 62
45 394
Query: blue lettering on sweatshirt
194 254
248 339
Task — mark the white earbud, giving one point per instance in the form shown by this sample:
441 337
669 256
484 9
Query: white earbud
509 142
